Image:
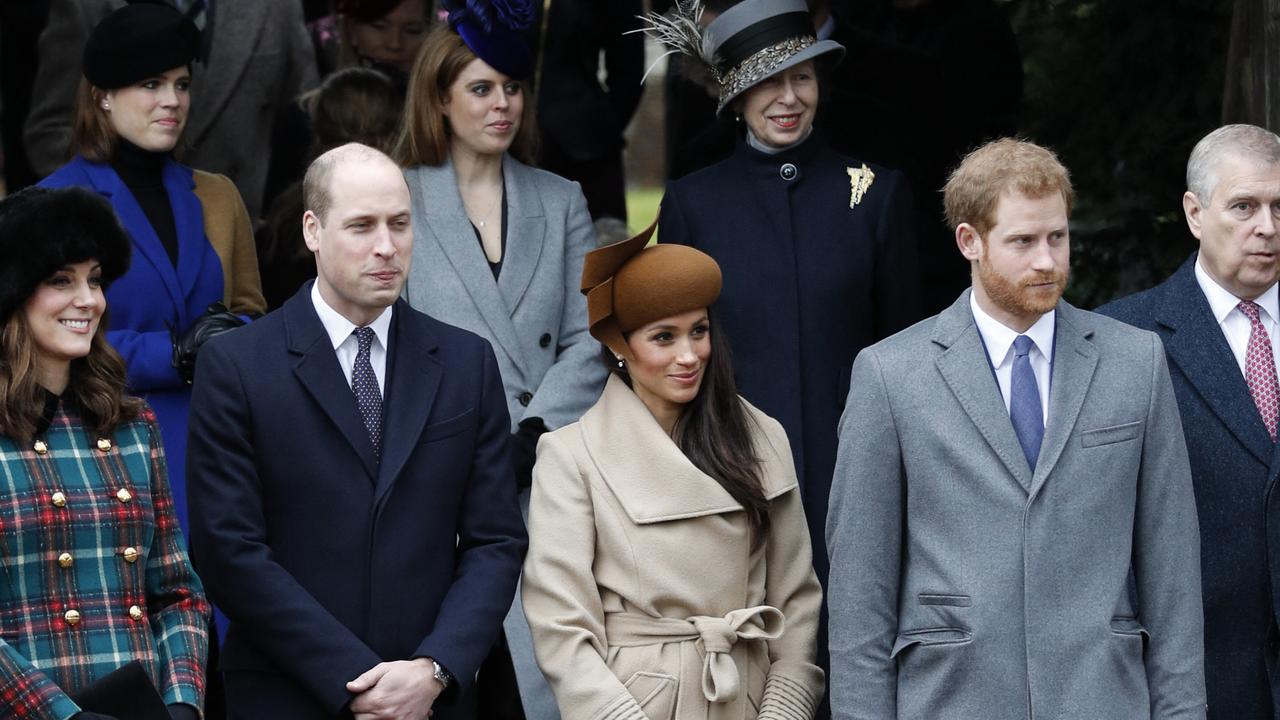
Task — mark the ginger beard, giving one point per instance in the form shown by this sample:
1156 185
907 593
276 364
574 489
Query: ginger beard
1022 297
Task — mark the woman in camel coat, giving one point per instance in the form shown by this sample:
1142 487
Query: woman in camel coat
669 578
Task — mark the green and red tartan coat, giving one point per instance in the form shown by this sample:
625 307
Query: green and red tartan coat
95 569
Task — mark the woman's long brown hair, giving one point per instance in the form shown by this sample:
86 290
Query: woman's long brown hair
97 383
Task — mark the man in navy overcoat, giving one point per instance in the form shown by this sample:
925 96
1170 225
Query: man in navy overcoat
1220 360
352 508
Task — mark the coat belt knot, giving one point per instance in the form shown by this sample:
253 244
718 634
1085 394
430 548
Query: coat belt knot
720 679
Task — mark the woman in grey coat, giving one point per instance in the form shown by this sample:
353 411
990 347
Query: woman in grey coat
499 245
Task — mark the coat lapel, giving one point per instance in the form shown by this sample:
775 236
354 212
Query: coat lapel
966 370
1194 342
319 372
108 183
652 479
236 27
525 229
1074 361
440 204
413 376
193 244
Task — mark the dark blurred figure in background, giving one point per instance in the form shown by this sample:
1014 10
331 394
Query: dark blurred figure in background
354 104
254 58
581 119
20 24
383 35
925 81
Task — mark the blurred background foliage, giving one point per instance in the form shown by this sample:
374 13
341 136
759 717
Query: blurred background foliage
1122 90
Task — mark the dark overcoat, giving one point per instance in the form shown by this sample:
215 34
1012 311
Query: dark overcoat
1234 466
326 560
811 276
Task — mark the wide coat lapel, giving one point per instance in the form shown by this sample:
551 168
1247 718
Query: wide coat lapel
964 366
236 27
193 244
413 377
1074 361
107 183
1194 343
318 370
526 227
438 201
651 478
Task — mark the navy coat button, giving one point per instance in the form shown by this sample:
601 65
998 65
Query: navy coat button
788 171
525 398
545 340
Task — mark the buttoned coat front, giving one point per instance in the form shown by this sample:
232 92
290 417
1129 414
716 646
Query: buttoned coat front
534 313
643 589
963 585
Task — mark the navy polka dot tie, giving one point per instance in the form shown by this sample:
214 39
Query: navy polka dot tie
365 386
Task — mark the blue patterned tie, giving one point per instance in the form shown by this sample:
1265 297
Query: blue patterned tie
365 386
1024 401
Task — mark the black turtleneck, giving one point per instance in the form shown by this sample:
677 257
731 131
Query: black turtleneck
141 170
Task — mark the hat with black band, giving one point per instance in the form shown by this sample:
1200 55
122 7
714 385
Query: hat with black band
746 43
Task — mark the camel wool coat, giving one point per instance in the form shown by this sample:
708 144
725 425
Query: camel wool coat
644 594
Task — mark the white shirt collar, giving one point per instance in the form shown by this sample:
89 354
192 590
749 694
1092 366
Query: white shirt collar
339 328
998 337
1222 302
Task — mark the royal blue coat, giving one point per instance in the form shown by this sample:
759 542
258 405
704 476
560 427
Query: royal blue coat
154 296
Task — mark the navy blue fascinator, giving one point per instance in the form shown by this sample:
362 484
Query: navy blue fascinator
493 29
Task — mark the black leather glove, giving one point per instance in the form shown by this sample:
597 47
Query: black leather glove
179 711
93 716
215 321
524 449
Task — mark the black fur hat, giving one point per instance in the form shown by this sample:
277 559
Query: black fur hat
42 230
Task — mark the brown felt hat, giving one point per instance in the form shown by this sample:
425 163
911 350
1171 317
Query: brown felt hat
629 286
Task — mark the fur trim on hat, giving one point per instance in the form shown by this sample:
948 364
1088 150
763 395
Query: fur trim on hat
43 230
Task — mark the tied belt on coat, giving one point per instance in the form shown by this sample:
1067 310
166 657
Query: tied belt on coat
720 679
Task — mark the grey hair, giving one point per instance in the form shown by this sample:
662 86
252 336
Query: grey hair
315 184
1245 141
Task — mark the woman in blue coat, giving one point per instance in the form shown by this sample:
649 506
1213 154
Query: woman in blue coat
192 240
817 249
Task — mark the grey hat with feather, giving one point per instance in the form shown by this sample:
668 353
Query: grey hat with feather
746 43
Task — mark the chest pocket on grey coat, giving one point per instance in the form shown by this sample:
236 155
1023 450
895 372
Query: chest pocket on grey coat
1110 435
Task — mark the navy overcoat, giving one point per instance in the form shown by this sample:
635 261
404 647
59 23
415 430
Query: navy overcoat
1234 466
326 560
814 271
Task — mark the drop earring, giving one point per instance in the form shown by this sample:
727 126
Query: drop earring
620 363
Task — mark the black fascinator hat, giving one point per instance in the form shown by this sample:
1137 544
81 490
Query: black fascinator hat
43 230
493 29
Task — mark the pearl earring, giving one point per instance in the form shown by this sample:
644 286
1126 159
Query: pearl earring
106 106
620 365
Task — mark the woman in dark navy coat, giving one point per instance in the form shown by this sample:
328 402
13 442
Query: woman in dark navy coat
817 249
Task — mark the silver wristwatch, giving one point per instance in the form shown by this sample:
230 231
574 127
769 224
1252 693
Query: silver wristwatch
441 674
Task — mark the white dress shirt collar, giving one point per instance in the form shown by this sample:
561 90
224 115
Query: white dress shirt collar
998 337
1222 302
339 328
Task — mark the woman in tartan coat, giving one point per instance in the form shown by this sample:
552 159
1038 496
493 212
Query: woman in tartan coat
95 574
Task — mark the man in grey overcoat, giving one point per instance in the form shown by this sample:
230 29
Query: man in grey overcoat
1012 532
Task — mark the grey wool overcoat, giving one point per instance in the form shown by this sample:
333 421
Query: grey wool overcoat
965 586
534 314
645 593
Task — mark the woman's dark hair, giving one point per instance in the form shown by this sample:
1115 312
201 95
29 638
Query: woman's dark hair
714 431
97 383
